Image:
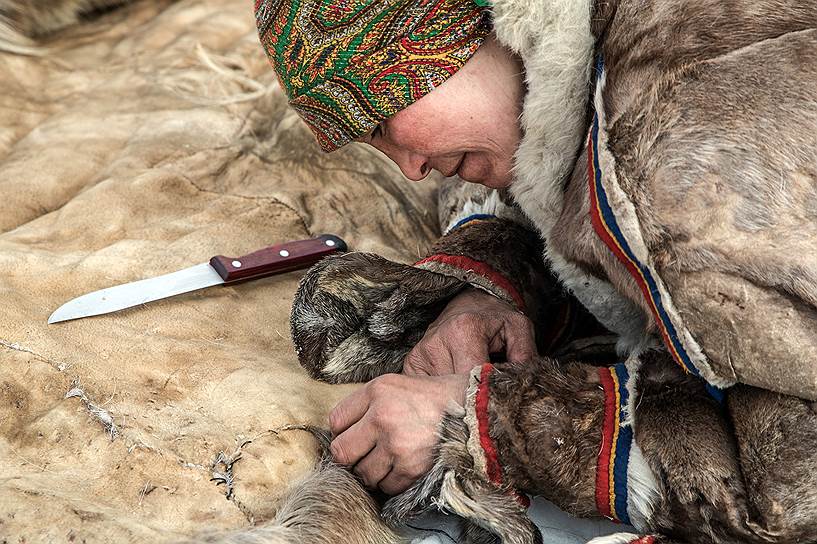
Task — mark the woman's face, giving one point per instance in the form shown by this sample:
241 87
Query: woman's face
468 126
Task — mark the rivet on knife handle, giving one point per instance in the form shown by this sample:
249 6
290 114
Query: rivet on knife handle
277 259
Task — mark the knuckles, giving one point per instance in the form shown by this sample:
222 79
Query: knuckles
382 412
467 324
420 360
518 319
383 386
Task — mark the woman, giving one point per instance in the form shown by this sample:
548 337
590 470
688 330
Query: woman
665 154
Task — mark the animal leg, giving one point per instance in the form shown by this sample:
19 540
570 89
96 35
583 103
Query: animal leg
357 316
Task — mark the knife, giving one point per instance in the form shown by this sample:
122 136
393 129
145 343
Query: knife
220 270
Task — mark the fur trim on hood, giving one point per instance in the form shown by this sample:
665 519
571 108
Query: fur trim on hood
555 41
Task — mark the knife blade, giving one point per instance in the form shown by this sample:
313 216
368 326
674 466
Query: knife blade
220 270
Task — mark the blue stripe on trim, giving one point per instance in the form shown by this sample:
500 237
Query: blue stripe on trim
623 444
715 392
474 217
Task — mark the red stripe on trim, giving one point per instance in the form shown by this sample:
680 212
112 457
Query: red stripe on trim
607 430
470 265
492 466
644 540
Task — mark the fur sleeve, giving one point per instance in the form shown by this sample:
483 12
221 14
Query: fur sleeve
639 442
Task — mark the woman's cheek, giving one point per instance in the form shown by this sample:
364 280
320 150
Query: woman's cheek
481 169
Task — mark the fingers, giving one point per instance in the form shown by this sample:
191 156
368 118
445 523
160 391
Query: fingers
519 339
353 444
467 340
348 411
377 470
374 467
392 443
395 483
354 437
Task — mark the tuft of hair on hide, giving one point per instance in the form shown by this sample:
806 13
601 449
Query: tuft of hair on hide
22 22
328 506
216 85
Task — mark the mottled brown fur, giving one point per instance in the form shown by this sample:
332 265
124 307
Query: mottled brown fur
557 458
356 316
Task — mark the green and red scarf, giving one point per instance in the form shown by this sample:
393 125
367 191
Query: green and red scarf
347 65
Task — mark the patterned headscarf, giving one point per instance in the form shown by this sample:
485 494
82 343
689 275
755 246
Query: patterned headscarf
347 65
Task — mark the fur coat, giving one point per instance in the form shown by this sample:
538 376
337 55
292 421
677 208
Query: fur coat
683 205
668 162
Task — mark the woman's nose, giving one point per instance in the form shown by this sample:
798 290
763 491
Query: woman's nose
413 165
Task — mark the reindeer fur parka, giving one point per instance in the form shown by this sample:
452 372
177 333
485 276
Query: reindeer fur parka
690 210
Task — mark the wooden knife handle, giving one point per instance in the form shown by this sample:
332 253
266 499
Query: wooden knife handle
277 259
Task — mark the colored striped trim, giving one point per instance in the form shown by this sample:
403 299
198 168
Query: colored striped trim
616 439
606 226
492 467
644 540
482 269
475 218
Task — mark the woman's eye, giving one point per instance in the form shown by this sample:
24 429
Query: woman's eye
377 132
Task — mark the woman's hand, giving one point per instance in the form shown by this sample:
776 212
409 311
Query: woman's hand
388 428
474 325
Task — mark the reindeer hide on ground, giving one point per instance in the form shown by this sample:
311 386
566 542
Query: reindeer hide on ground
142 142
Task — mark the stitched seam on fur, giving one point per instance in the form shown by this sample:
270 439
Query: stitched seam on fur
480 444
473 445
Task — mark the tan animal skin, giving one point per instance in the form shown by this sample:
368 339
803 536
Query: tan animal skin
706 136
22 22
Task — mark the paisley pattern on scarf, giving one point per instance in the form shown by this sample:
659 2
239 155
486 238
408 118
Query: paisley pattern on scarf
347 65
